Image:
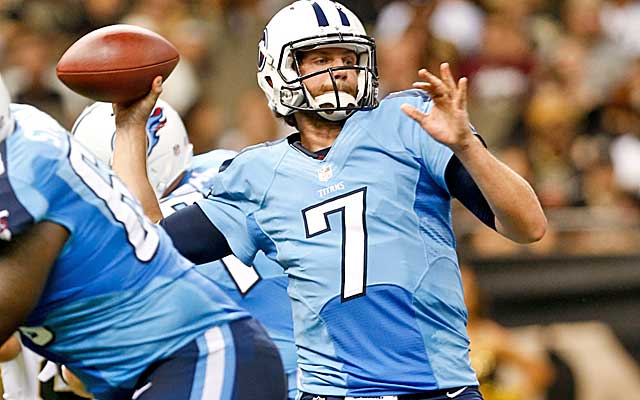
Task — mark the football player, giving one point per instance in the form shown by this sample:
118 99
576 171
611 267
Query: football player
356 208
179 180
90 283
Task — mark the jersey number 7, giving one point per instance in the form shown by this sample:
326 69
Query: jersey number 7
353 207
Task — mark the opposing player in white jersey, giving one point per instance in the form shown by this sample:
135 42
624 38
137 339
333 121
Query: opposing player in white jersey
356 208
179 180
91 283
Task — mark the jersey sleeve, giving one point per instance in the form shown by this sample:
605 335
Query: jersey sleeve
235 198
435 155
411 137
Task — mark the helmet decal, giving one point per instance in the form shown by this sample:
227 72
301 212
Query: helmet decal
322 19
343 16
169 152
262 59
156 121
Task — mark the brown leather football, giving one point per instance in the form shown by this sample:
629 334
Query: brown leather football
116 63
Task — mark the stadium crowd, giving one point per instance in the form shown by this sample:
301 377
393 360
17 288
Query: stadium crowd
554 89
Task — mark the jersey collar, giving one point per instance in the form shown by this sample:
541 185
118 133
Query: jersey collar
294 141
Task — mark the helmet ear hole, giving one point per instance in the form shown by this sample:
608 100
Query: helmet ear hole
269 80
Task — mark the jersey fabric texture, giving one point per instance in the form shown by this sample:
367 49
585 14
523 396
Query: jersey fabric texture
365 237
260 289
119 297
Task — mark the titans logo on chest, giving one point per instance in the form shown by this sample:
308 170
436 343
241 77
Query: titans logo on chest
331 189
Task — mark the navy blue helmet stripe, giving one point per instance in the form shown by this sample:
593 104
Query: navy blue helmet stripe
343 17
322 19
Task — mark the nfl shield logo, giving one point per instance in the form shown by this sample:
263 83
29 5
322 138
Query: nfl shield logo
325 173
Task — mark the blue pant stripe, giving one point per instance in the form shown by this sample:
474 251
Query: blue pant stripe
229 363
201 370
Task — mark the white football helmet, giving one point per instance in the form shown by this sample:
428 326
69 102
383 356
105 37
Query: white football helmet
6 120
169 152
308 25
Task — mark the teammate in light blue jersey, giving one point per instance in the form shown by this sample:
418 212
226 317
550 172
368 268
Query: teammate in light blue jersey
260 289
356 208
179 181
91 283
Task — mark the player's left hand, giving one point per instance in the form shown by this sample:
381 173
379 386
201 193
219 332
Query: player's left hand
448 120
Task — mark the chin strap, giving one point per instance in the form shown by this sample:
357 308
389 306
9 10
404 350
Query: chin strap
328 100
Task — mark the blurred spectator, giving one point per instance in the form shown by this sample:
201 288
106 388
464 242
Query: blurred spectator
171 18
205 126
605 59
193 39
99 13
239 26
255 123
620 20
405 44
83 16
552 122
459 22
398 61
573 347
622 119
30 74
499 78
182 88
554 86
158 15
493 352
393 21
567 66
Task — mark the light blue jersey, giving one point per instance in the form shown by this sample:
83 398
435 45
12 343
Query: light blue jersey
365 237
119 297
260 289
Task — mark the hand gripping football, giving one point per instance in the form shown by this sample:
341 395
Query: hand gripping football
116 63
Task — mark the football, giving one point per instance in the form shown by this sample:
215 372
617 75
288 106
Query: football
116 63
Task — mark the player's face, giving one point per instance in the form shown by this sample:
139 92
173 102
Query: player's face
332 57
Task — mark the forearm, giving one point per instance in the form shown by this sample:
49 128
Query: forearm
518 212
130 163
25 263
15 306
12 314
